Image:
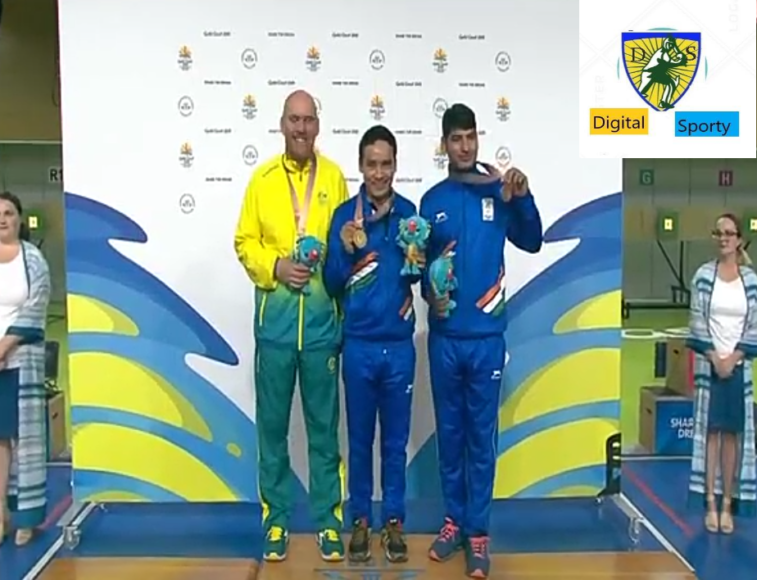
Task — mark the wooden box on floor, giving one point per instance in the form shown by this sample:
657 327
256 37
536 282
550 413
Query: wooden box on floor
666 422
56 426
679 367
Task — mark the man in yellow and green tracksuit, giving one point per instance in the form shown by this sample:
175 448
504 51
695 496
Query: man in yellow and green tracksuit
297 335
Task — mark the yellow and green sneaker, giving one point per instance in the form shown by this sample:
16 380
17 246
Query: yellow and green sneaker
331 545
276 543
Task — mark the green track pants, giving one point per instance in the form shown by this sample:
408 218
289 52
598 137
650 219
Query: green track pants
276 369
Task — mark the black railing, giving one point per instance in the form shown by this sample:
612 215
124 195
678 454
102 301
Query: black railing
612 466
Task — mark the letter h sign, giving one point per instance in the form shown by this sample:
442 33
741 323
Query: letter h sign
725 178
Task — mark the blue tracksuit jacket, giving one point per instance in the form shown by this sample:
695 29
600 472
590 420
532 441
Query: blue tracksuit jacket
376 301
467 350
378 356
476 219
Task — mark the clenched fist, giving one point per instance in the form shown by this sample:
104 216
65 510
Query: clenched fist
292 274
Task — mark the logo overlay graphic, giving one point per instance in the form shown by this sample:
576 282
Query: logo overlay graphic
661 65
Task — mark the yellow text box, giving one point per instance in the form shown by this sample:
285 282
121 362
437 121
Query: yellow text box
619 121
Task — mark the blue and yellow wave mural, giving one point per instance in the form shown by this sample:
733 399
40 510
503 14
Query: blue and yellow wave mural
560 397
147 427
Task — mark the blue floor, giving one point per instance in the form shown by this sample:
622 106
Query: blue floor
658 488
16 562
233 531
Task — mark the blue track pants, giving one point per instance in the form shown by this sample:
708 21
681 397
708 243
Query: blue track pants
378 379
466 375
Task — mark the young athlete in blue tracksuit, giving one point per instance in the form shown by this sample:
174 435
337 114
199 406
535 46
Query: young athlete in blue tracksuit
467 350
378 356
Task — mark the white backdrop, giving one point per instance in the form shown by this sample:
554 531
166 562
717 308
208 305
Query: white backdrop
168 106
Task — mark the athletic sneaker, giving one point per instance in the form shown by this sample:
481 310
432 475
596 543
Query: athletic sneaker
447 543
276 543
330 545
393 541
477 557
360 542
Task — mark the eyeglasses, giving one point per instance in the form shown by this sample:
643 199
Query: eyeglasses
724 234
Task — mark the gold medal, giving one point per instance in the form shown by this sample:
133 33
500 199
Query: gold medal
360 239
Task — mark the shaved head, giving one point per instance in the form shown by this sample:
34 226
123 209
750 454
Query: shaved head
300 101
300 126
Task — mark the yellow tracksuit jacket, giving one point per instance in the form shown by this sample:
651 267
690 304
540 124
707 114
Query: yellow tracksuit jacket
267 230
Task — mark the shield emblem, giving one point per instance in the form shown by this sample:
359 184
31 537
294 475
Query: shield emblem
661 65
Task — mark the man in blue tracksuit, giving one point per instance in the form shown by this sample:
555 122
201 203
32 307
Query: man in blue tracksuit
472 216
362 270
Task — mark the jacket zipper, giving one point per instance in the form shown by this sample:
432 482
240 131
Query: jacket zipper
463 236
301 299
262 309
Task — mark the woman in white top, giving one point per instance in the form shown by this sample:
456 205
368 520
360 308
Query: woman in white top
24 296
723 335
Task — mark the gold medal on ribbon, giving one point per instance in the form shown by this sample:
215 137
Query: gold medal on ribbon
359 239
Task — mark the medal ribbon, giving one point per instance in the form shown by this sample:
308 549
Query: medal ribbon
301 214
375 216
491 175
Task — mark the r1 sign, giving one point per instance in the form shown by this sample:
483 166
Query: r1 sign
725 178
55 175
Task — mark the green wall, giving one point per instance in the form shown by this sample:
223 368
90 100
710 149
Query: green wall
637 365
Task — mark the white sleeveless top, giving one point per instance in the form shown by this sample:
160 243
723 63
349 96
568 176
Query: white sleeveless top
728 311
14 290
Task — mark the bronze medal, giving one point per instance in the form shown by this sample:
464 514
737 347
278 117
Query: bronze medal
360 239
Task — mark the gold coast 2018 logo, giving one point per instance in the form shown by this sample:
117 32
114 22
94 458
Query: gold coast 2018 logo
661 64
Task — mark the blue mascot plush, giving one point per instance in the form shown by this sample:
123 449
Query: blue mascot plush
443 281
309 252
412 238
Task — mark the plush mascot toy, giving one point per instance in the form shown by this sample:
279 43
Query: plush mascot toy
443 281
413 237
309 252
